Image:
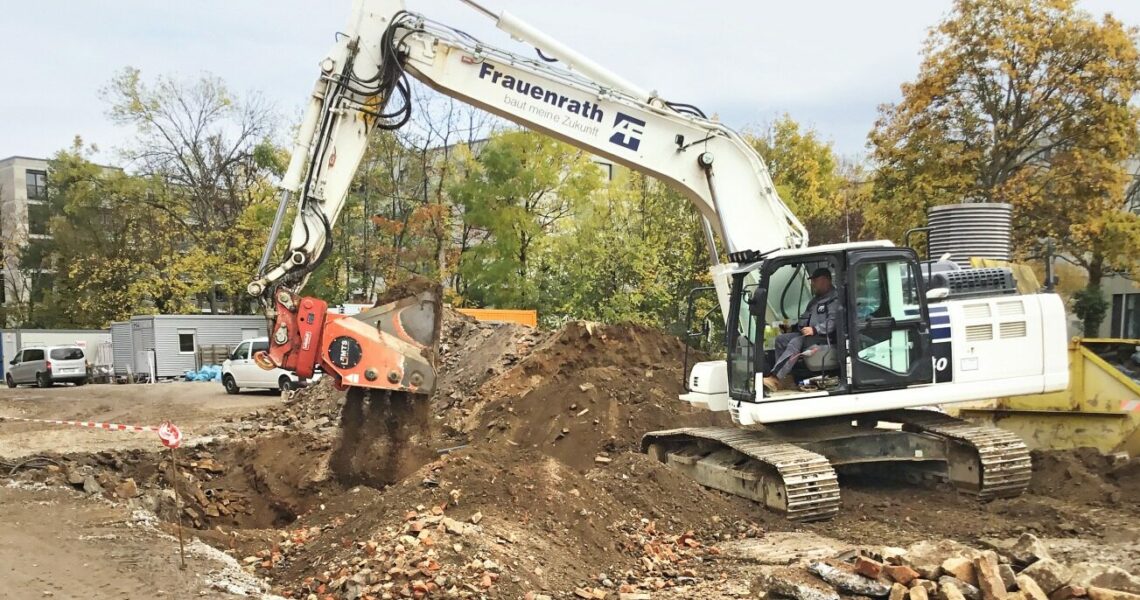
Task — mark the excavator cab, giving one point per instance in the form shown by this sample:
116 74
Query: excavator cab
881 334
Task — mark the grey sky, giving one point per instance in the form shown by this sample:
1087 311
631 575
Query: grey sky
828 63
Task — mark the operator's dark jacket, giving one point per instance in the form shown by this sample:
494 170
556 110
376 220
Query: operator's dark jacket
821 313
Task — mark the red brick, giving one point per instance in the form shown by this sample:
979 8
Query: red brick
868 568
901 573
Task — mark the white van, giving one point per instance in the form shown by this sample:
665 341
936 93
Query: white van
47 365
241 371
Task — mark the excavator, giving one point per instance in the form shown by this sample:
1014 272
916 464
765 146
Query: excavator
909 334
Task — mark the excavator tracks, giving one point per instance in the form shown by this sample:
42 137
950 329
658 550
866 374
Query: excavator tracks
792 470
985 461
785 477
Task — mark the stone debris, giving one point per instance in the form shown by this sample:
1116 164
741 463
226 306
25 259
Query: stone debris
91 486
1049 574
1002 576
847 581
127 489
790 583
1029 588
901 574
947 590
970 592
960 568
1068 592
1096 593
1028 550
988 574
1104 576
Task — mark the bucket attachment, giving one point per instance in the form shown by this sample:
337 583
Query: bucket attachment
390 347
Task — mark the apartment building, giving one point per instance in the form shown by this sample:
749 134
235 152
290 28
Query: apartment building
25 216
1123 293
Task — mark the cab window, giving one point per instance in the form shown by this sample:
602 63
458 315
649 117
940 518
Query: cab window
886 300
260 346
241 352
30 355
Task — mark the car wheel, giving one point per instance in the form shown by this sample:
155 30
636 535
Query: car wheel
81 382
285 384
230 385
42 380
8 379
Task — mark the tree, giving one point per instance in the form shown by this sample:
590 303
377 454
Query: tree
114 254
632 253
1019 101
211 150
806 173
519 189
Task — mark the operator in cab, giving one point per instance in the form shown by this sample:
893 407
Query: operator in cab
818 319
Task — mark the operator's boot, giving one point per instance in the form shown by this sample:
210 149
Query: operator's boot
772 384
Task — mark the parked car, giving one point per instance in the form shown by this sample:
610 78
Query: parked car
241 371
47 365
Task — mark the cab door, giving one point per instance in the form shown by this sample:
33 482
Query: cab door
889 325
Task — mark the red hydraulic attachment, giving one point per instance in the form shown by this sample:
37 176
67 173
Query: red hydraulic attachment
387 347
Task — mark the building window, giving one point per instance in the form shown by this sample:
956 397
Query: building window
37 185
1126 316
607 170
186 343
39 215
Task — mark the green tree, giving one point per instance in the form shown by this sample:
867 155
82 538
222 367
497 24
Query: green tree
807 176
519 190
1019 101
632 253
114 255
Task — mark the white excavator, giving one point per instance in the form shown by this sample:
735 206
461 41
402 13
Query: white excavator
908 335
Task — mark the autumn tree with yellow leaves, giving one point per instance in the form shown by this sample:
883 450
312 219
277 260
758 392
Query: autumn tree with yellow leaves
1027 102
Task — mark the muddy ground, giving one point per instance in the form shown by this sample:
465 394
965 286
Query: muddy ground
519 476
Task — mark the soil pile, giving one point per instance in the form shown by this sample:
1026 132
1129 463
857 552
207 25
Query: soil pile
472 352
588 391
1085 475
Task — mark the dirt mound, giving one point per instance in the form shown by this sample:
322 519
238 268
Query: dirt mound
471 352
1083 475
587 390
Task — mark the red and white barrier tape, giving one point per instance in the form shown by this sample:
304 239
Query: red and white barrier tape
167 432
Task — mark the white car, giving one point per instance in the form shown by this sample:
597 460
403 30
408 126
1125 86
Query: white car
241 371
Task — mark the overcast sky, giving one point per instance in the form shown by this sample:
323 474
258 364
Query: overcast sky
828 63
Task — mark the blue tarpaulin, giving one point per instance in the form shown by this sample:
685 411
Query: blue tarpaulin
206 373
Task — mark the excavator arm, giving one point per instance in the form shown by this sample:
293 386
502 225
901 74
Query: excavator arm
364 84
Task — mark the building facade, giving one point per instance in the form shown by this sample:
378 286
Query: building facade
25 216
1121 292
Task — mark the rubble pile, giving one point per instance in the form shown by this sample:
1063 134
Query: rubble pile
472 352
1018 569
423 557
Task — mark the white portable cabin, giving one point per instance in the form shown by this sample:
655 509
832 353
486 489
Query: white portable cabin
172 342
